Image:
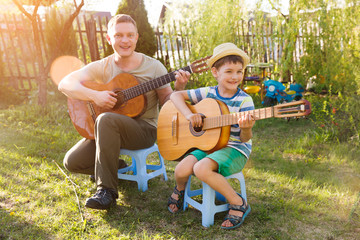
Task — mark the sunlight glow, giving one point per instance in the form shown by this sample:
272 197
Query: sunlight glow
64 65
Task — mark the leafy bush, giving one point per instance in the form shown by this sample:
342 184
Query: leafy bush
9 96
337 117
318 39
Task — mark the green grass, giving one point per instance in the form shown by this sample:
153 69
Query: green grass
299 187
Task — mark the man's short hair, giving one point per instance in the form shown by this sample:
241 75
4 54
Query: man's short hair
120 18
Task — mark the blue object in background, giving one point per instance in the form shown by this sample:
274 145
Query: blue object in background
298 89
275 92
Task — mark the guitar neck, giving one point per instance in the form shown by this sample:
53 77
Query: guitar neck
151 85
230 119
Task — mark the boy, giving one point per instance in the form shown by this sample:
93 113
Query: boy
227 66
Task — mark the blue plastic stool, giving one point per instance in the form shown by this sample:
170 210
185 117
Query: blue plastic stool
208 208
139 167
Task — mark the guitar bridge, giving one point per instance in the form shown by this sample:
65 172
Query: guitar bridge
175 129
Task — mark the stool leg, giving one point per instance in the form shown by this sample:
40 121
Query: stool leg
162 164
208 203
187 193
242 186
141 172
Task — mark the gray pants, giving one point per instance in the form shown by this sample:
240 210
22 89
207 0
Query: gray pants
100 156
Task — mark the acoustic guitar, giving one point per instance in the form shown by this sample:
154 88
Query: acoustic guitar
131 100
176 136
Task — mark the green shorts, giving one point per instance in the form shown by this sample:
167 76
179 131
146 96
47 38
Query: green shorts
230 160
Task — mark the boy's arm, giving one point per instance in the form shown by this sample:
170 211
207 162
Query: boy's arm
182 77
178 99
246 124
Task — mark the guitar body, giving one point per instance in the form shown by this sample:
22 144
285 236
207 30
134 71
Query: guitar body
176 136
83 119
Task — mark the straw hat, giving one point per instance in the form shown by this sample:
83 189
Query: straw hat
227 49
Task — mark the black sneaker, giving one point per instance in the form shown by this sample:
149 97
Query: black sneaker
102 199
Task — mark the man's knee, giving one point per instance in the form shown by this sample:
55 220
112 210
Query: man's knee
68 163
108 118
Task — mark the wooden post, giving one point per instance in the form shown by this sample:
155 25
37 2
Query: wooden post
102 35
6 53
177 46
160 43
31 49
20 44
15 82
92 40
81 40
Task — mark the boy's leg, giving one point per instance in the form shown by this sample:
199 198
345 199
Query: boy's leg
207 171
182 172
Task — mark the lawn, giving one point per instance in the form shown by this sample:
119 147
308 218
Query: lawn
298 185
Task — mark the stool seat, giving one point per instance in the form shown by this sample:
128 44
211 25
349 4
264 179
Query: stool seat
208 208
139 167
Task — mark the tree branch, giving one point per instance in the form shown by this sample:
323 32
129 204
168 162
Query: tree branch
21 8
64 30
73 185
278 10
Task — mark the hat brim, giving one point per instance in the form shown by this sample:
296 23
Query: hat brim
229 52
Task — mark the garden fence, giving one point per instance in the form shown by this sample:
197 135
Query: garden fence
17 49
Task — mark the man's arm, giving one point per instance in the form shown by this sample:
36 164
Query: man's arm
71 86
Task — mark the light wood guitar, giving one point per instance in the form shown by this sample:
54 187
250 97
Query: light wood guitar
131 100
176 136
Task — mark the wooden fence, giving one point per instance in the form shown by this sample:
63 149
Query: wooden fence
173 47
17 48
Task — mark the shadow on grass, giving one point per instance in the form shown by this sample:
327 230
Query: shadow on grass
146 213
13 227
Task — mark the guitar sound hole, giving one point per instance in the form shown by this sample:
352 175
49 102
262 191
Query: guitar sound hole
197 131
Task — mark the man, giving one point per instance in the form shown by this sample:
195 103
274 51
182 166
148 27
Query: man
114 131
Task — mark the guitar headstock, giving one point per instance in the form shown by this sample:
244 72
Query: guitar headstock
292 109
200 65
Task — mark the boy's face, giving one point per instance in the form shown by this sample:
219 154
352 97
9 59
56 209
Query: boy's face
229 75
123 38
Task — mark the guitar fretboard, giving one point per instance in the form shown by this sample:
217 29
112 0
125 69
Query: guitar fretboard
230 119
151 85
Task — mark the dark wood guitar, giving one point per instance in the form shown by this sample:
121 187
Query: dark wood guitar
176 136
131 100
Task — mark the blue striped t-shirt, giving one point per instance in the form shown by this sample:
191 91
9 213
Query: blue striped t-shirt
240 102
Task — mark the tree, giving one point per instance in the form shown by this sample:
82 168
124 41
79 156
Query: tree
55 18
136 9
45 68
